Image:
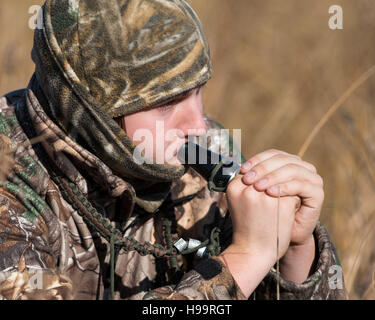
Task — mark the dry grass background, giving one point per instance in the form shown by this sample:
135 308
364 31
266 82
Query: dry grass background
277 70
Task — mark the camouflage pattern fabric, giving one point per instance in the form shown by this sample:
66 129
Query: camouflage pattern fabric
48 252
97 60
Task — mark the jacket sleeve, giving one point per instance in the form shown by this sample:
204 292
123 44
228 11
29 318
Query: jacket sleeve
325 283
27 266
211 280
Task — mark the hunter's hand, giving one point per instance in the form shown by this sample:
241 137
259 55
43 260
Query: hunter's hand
272 169
254 216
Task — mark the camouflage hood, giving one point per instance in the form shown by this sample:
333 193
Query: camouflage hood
97 60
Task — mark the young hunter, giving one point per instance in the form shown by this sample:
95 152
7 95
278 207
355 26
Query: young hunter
80 218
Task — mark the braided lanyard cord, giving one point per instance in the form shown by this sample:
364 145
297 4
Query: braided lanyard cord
92 217
167 229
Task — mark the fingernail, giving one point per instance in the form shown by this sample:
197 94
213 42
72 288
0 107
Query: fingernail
250 175
274 189
246 166
262 182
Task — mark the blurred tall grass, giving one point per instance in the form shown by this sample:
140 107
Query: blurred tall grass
277 70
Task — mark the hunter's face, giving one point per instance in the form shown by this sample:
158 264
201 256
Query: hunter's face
162 130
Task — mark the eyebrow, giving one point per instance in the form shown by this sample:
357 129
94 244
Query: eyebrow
174 99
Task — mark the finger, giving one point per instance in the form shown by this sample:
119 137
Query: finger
312 195
287 173
236 186
253 161
264 168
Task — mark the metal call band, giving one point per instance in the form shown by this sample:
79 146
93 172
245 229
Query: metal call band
218 170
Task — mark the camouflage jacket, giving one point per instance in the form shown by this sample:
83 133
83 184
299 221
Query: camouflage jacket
47 251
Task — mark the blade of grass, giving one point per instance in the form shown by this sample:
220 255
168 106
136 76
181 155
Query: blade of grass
361 80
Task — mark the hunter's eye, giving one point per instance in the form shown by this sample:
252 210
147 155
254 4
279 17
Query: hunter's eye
166 107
